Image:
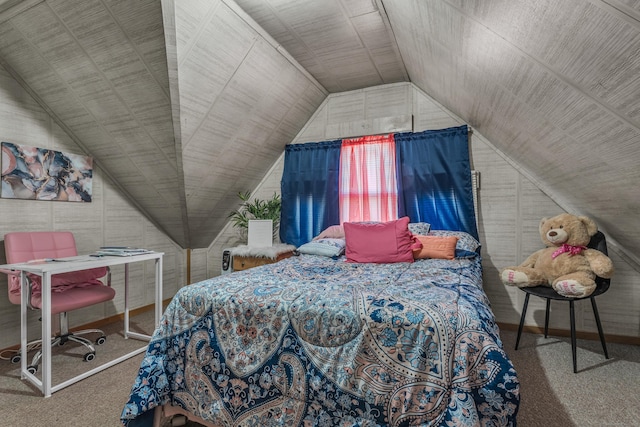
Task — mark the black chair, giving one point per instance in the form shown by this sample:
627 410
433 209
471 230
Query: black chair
598 242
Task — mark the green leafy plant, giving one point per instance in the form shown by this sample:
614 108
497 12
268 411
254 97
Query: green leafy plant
256 209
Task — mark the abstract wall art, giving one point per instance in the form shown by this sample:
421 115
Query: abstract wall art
43 174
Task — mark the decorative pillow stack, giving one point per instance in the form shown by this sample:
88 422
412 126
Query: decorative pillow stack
379 242
388 242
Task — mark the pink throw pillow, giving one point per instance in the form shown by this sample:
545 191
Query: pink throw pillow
381 242
440 247
331 232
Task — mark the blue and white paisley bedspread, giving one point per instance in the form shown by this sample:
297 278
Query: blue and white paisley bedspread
311 341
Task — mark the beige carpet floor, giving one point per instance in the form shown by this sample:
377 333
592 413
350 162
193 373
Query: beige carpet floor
95 401
603 393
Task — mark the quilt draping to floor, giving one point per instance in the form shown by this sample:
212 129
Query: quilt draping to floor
315 341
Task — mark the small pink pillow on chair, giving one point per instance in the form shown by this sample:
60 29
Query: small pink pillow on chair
380 242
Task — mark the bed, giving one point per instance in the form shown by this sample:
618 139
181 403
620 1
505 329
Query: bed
314 340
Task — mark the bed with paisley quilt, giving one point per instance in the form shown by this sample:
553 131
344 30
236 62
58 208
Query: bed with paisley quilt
318 341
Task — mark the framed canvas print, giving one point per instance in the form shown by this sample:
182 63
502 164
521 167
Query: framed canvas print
43 174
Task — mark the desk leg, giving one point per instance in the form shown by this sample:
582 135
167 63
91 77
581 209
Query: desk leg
157 302
158 290
24 303
46 334
126 301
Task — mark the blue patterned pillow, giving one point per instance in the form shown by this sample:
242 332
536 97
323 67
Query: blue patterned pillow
419 228
325 247
466 242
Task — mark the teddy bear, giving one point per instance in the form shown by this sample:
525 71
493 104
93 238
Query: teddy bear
566 264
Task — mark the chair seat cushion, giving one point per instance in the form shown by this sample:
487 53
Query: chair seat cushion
75 298
602 285
62 286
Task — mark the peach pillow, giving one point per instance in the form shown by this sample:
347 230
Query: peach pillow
440 247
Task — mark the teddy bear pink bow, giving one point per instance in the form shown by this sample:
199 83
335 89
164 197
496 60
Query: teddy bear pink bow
573 250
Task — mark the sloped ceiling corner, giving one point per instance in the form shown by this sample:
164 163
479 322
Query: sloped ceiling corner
185 103
181 121
241 101
554 86
99 68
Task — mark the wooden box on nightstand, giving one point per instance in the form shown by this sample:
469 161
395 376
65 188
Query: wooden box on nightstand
242 263
245 257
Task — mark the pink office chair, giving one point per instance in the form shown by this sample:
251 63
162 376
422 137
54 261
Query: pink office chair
69 291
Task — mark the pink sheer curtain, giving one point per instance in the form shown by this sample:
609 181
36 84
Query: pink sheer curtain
368 188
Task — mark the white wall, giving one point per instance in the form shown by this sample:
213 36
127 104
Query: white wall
510 206
108 220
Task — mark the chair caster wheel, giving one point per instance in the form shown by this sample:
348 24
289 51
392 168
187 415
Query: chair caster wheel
16 358
32 369
101 340
89 356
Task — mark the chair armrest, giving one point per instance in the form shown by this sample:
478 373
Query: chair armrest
108 276
17 273
10 272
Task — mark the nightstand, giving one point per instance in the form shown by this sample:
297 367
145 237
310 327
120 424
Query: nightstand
245 257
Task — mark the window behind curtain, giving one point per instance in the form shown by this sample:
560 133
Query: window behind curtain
433 173
368 187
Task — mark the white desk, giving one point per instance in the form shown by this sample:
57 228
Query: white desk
46 270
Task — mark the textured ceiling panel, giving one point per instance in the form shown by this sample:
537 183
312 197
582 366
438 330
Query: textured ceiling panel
103 78
551 85
241 102
344 44
185 103
180 147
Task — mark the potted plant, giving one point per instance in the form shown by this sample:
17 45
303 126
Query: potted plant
256 209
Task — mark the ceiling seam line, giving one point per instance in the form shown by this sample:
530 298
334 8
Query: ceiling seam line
168 10
16 8
111 86
215 102
387 23
615 7
216 98
269 39
60 123
194 40
134 47
79 143
345 12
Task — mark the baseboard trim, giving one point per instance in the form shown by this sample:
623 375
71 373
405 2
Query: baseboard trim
539 330
102 322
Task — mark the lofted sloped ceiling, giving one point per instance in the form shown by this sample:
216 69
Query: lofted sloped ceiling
185 103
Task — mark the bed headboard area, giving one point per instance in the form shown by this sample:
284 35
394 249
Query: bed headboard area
426 176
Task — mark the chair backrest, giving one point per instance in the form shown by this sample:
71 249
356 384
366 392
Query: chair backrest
599 242
25 246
